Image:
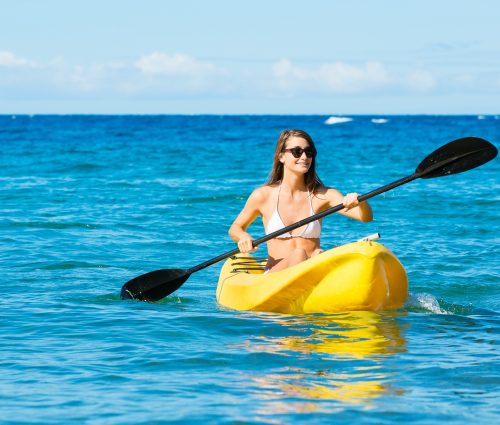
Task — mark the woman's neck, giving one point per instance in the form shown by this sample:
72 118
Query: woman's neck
294 182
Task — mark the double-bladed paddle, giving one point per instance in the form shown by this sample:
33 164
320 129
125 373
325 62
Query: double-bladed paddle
452 158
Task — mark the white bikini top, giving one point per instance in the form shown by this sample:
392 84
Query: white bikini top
311 231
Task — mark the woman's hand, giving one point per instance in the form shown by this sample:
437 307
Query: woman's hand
245 244
350 201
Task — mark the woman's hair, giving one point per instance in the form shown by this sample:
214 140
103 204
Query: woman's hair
276 176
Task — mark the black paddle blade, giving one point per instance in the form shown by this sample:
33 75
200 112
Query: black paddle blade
456 157
153 286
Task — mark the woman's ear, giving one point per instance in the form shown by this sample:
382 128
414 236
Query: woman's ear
281 158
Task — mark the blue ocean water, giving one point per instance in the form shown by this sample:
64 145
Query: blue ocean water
88 202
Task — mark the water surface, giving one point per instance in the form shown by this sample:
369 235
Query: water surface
88 202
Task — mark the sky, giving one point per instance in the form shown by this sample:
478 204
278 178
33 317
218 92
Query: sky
250 57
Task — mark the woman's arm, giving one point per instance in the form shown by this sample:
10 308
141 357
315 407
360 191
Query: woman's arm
357 210
248 214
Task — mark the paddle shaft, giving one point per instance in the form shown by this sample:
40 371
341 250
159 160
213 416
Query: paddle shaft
305 221
455 157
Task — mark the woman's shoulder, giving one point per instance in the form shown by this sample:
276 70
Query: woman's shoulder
260 198
263 192
326 192
323 190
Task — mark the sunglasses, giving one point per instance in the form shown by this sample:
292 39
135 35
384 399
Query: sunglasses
298 151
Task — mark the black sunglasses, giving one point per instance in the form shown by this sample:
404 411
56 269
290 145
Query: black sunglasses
297 152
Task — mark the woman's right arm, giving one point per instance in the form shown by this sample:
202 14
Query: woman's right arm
248 214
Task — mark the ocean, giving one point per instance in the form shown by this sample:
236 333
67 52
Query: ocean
89 202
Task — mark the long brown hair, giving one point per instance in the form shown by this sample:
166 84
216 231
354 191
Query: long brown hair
276 176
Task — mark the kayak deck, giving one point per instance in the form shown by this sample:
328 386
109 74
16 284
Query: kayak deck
357 276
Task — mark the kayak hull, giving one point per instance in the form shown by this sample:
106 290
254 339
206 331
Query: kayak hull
358 276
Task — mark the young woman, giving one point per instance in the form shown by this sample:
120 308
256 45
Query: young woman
292 193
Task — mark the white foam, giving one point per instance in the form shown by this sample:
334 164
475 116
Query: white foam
481 117
379 120
337 120
425 301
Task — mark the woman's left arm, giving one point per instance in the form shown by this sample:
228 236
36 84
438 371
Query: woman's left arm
357 210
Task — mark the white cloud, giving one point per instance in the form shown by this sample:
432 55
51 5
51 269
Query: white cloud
465 79
161 76
157 75
420 80
9 59
344 78
282 68
87 79
285 69
338 77
174 65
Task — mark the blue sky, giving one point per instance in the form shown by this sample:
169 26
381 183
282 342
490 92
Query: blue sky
325 57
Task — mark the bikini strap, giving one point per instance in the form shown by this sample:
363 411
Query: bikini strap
278 198
310 201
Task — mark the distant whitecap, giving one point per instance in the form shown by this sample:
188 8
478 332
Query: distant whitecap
379 120
337 120
481 117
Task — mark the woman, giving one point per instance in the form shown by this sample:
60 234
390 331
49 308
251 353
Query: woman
292 193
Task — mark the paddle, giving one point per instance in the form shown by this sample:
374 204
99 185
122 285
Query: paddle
452 158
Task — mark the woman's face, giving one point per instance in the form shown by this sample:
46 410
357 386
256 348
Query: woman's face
297 155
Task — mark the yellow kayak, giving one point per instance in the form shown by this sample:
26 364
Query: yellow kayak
357 276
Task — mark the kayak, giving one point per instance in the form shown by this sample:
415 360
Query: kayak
363 275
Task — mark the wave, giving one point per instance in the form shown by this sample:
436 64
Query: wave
170 183
426 302
23 182
48 225
67 265
84 166
211 199
379 120
337 120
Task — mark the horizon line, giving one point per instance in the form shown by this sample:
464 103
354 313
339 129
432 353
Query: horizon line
14 114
